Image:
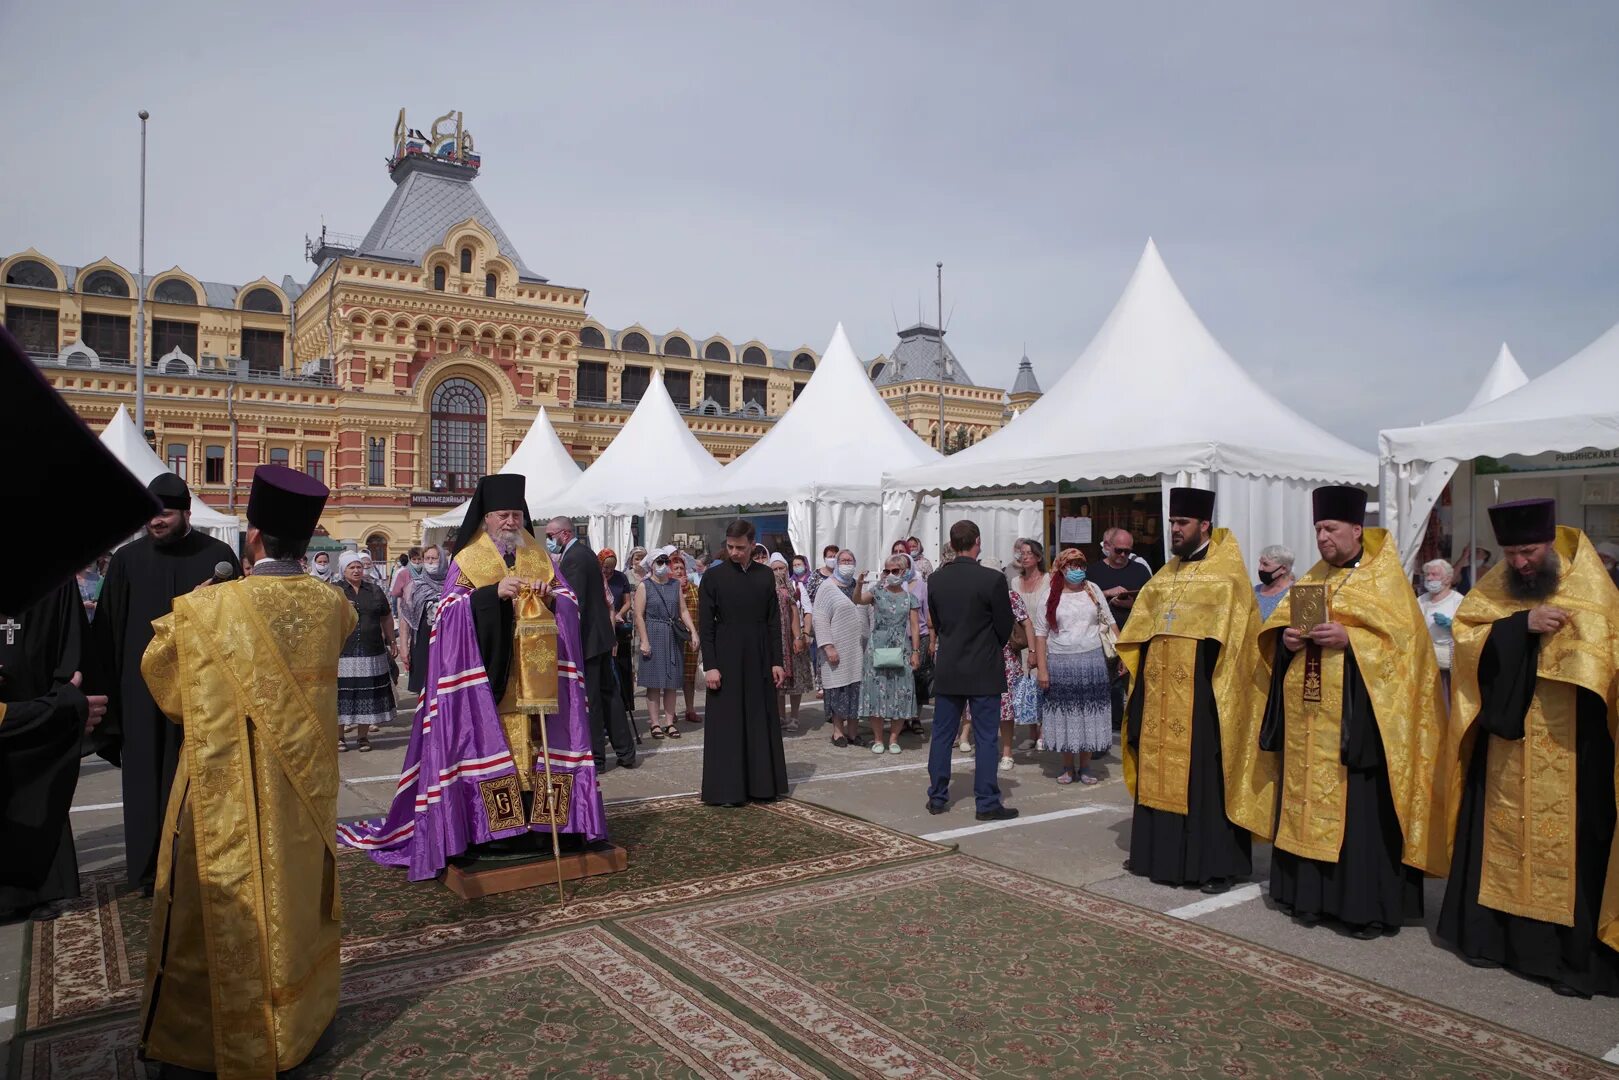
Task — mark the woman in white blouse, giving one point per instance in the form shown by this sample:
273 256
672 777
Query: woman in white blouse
1439 601
1074 671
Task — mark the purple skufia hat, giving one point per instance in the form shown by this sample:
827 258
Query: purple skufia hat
1524 521
285 502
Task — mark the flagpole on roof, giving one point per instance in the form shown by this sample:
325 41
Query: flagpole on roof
938 269
140 298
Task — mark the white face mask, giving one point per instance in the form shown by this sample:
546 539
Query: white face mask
1434 586
830 562
430 565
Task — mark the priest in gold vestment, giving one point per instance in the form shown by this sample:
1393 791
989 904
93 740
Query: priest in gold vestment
1534 881
1202 786
242 961
1356 712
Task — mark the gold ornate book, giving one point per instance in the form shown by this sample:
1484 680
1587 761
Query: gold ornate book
1308 605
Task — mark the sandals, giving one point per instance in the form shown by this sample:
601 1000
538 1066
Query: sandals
657 732
342 743
1089 780
1066 776
839 741
671 731
692 717
365 745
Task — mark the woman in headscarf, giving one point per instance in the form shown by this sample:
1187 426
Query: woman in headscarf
620 599
1075 673
793 658
365 690
636 566
320 566
840 634
659 609
680 570
417 610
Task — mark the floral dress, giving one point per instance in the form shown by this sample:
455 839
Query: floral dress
890 693
1013 658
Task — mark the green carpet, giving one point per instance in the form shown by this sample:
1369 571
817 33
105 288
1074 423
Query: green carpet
91 960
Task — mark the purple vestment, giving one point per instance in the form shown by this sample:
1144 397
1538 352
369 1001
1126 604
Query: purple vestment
456 743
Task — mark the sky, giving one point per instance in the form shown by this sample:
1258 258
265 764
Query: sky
1362 201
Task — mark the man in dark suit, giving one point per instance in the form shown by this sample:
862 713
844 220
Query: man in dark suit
584 576
972 620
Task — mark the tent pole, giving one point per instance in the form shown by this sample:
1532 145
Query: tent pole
1472 522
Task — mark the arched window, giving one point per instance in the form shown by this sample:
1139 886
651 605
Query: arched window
262 299
634 342
377 546
174 291
877 371
716 350
33 274
753 355
466 260
591 338
804 362
438 278
280 455
459 421
489 284
676 346
104 283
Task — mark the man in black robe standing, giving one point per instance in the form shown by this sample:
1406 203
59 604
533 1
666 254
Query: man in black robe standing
739 627
144 578
1533 724
44 714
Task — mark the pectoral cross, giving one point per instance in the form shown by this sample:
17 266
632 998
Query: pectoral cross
11 626
1169 619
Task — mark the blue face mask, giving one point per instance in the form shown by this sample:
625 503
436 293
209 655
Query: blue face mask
844 574
552 546
1074 577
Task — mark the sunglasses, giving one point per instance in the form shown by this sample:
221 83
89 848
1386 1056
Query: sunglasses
660 561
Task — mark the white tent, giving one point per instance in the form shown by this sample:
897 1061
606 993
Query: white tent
824 461
545 464
1573 407
1155 394
653 452
1411 489
130 448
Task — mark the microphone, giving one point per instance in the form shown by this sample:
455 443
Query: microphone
223 571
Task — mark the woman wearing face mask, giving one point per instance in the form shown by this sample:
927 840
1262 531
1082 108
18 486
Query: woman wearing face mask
917 586
818 577
1439 601
1074 672
840 631
365 691
893 653
659 609
1275 578
320 566
417 610
792 643
1029 581
680 570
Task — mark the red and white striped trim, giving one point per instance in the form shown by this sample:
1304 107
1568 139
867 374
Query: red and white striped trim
461 680
354 839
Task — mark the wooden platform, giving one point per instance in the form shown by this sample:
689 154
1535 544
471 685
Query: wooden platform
536 873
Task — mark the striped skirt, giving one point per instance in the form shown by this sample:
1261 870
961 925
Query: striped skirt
1076 711
365 691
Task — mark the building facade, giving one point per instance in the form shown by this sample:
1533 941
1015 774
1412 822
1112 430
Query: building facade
411 362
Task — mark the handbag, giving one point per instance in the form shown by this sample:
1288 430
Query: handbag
1105 629
1026 699
888 659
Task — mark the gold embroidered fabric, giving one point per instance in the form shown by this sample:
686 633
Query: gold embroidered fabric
1388 635
531 687
1529 851
1210 598
242 966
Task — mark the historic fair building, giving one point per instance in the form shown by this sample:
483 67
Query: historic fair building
414 359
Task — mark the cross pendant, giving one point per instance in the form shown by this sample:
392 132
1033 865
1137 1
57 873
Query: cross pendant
11 626
1169 620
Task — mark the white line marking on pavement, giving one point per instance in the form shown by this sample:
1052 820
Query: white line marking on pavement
97 806
992 826
8 1013
1215 903
649 798
1612 1055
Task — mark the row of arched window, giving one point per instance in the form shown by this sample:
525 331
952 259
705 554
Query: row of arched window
673 345
172 290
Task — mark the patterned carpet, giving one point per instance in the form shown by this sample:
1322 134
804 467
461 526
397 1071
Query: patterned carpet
91 960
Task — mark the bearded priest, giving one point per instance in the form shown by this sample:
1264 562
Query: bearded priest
1202 786
505 656
1534 881
241 968
1356 711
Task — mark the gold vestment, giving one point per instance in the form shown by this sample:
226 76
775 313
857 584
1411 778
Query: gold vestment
1183 604
1528 865
531 685
1388 634
242 963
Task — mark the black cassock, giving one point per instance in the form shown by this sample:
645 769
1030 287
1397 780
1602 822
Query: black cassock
39 749
1369 883
1202 844
140 587
1571 955
739 627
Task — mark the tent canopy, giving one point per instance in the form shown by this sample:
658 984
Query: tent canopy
1503 377
544 462
651 453
1573 406
836 440
130 448
1199 412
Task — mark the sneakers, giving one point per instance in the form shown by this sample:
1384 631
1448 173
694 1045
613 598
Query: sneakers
1006 764
964 746
893 747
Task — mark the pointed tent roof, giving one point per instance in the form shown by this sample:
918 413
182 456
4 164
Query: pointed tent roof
1026 382
1503 377
651 453
1574 406
1220 419
544 462
430 198
128 447
838 435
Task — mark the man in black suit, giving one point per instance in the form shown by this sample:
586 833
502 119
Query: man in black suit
972 619
584 576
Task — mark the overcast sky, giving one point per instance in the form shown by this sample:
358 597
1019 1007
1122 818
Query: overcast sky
1362 201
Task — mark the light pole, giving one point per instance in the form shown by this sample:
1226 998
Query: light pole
938 269
140 298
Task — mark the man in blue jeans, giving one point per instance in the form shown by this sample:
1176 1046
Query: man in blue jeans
972 621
